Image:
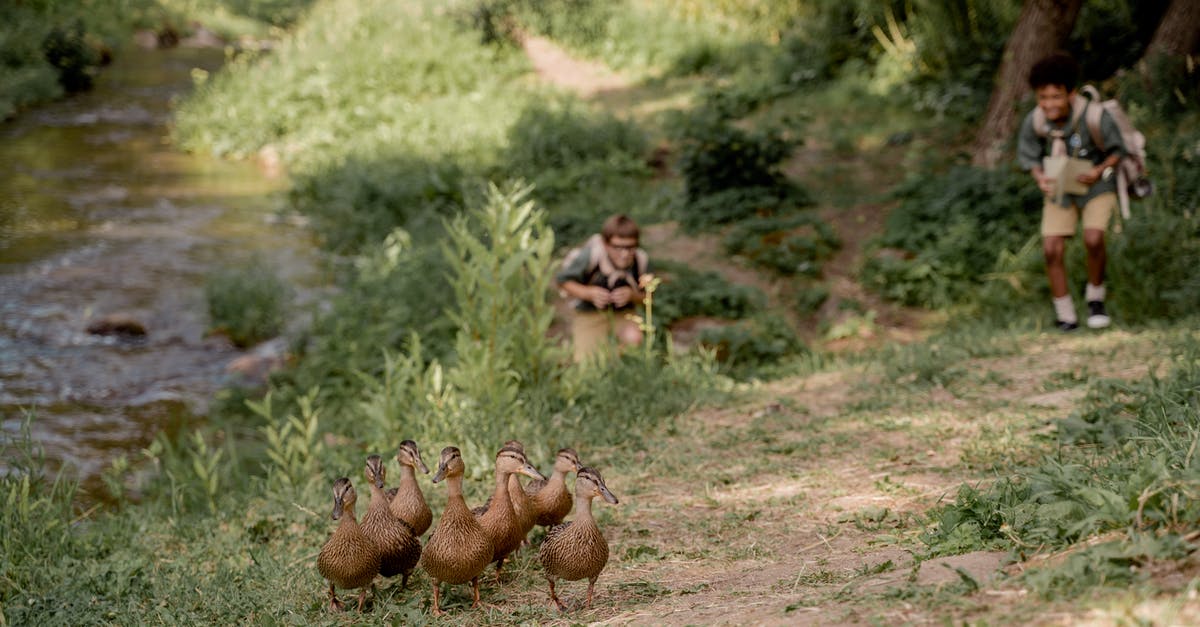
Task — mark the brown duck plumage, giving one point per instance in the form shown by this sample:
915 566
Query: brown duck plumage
349 558
500 520
577 550
459 548
407 501
399 548
550 498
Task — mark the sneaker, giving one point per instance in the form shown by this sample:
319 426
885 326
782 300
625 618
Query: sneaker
1097 318
1066 326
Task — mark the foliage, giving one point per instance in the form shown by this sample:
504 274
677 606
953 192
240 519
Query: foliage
247 303
956 226
747 346
560 134
730 173
688 292
1126 462
52 47
793 245
585 165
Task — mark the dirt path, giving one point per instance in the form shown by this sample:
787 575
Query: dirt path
555 66
805 503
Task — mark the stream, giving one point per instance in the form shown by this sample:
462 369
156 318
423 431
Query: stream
101 216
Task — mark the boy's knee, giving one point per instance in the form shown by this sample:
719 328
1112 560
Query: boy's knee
1052 249
1093 240
629 335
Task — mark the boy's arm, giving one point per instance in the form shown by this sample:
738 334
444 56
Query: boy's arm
570 279
1116 149
1029 155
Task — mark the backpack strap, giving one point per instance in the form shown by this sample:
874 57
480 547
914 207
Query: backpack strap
1093 111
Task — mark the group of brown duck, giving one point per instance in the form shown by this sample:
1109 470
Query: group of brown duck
465 541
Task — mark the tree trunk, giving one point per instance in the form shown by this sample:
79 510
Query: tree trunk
1178 33
1042 28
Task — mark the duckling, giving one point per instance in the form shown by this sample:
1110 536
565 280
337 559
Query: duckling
459 548
399 548
410 506
500 520
577 550
349 558
551 500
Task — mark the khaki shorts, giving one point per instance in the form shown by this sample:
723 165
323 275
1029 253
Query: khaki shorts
591 330
1060 221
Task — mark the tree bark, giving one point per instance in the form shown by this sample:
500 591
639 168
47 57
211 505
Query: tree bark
1178 33
1042 28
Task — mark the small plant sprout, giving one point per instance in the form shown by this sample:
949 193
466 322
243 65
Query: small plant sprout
648 282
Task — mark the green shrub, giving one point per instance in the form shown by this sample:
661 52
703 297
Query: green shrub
247 303
787 245
562 134
731 174
808 298
747 346
687 292
955 225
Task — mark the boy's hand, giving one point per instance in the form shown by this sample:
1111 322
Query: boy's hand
599 296
1044 183
1091 176
621 296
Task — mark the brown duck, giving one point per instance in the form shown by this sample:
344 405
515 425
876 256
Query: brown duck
407 501
577 550
551 500
500 521
399 549
349 558
459 548
523 508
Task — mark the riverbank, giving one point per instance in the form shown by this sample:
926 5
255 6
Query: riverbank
104 220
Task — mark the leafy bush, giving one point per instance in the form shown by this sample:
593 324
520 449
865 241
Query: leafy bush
585 165
808 298
687 292
956 226
732 174
357 202
562 134
247 303
747 346
786 245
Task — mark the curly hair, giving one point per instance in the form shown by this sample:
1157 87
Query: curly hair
1058 68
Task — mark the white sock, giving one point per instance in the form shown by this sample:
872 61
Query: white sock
1065 309
1093 292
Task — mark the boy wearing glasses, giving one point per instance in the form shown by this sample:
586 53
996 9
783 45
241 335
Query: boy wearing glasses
602 279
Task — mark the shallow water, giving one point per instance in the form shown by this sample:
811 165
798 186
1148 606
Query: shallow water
99 214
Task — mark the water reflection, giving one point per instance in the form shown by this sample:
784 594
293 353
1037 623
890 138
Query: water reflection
99 215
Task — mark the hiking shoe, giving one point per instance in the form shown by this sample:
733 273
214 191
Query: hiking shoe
1066 326
1097 318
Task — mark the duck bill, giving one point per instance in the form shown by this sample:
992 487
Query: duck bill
379 483
441 473
338 504
421 462
608 496
530 471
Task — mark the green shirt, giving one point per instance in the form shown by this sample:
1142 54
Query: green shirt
1031 147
